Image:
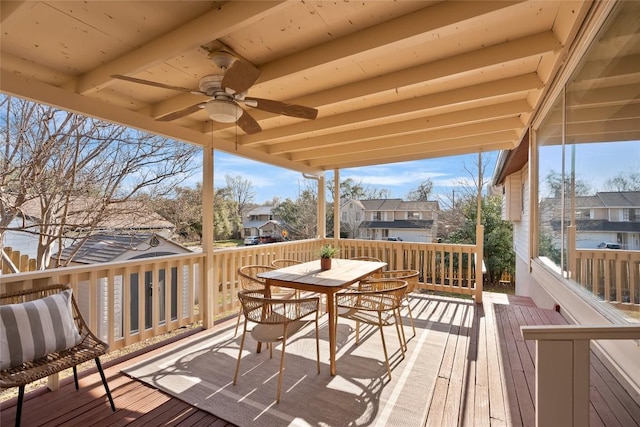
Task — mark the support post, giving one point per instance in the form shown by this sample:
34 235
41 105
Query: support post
562 369
209 288
479 263
322 208
336 204
479 237
562 383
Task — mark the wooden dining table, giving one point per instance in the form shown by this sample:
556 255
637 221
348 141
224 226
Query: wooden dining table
309 277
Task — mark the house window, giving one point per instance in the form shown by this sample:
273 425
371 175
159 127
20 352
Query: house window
377 216
358 216
578 164
413 215
583 214
343 216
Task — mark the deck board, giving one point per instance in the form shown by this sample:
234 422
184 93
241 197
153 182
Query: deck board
482 416
509 364
485 378
497 408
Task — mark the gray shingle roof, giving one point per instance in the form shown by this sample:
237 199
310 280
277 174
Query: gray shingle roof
601 225
421 224
620 199
106 247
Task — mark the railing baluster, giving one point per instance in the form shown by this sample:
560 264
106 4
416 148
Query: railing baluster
604 270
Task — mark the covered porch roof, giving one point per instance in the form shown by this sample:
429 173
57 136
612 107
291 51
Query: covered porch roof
391 81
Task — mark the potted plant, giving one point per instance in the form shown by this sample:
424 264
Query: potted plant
326 253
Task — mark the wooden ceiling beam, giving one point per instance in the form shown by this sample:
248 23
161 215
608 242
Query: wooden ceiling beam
513 50
228 17
427 146
403 142
457 118
472 96
405 29
490 146
472 144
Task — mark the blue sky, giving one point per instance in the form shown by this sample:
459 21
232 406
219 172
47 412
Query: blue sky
595 163
268 181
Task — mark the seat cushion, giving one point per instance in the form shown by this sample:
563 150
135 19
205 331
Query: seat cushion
31 330
275 332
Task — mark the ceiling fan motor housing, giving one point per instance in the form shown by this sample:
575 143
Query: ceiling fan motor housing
211 84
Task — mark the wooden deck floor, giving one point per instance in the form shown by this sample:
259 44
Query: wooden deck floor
486 378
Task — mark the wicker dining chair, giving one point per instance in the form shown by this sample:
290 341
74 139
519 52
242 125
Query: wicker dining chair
367 258
80 344
275 321
249 280
363 258
411 276
284 262
379 306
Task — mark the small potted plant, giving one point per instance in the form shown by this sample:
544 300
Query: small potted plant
326 253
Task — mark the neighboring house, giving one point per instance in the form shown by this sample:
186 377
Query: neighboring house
257 221
126 217
273 228
380 219
105 247
607 217
351 218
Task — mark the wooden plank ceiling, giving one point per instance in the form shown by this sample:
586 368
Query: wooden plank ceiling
391 81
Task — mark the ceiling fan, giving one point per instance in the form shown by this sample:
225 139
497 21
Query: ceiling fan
227 91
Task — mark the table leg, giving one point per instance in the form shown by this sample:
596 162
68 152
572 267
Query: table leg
331 311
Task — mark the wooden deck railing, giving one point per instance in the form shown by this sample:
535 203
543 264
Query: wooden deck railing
442 267
562 369
14 261
130 301
611 275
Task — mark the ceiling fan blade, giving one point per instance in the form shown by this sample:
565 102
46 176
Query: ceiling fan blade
248 124
156 84
181 113
278 107
240 76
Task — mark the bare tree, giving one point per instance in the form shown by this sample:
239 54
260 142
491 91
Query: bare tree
422 192
77 170
183 208
451 217
624 181
240 191
356 190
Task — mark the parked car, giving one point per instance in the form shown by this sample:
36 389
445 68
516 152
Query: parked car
251 240
604 245
270 239
394 239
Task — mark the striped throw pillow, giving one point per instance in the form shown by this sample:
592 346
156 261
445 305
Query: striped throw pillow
31 330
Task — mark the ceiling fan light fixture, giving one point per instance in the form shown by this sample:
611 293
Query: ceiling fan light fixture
223 111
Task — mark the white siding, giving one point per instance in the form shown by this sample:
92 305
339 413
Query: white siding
521 238
513 196
521 228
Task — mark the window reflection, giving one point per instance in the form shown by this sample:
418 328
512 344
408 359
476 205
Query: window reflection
589 169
